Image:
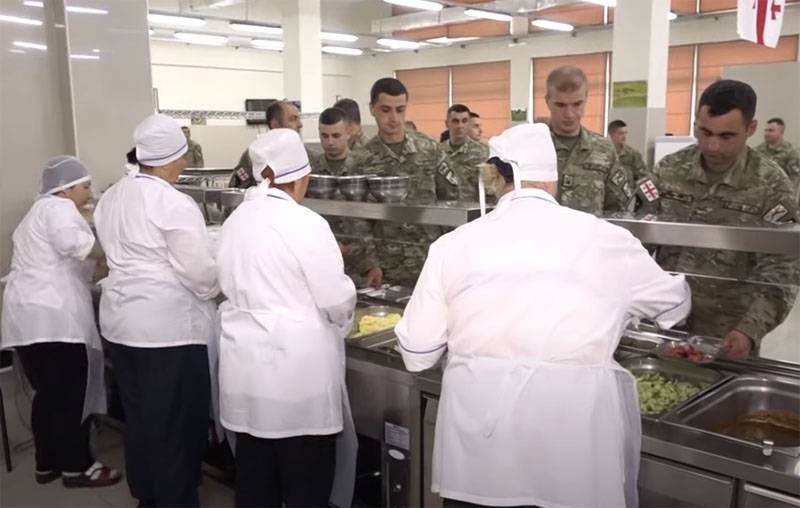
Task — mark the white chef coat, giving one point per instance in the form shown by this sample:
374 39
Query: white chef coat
47 297
162 279
289 307
530 303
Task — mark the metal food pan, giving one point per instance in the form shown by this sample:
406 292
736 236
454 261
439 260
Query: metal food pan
372 310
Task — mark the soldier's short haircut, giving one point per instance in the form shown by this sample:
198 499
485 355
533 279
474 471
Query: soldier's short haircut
389 86
332 116
777 120
458 108
615 126
275 112
566 78
473 114
725 95
350 108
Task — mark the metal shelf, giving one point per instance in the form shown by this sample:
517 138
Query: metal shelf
438 214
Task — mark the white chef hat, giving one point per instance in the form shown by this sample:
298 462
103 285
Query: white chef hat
283 152
62 172
159 141
529 149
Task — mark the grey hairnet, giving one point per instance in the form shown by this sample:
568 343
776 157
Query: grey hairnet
61 173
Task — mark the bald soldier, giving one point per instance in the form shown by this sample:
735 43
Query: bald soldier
590 176
464 156
354 235
629 157
402 248
721 180
280 114
781 151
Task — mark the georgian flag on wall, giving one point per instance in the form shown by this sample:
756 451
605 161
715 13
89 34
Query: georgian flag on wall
760 21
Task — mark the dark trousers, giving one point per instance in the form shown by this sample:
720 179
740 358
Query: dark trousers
165 396
455 503
57 371
295 471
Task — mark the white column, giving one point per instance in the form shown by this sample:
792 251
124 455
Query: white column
302 56
640 52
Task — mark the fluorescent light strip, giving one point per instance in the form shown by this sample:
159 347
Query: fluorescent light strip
494 16
425 5
381 50
672 16
77 9
19 20
31 3
30 45
267 44
221 3
454 40
398 44
78 56
552 25
207 39
338 50
255 28
335 37
17 51
182 21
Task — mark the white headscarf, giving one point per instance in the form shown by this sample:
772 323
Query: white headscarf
159 141
283 152
62 172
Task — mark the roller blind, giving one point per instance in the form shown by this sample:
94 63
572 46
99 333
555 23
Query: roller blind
594 65
428 98
485 89
679 89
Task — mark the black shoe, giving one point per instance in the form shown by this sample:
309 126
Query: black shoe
96 476
43 477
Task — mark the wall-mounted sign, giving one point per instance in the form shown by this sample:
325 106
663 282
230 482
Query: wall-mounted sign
630 94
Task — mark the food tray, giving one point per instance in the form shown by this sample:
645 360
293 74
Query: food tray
372 310
704 377
709 348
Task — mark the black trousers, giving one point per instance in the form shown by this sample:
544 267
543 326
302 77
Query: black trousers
57 371
165 396
294 471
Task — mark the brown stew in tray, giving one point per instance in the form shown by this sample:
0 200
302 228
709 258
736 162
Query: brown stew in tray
780 427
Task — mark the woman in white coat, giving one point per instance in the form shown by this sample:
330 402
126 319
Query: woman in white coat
529 302
158 314
289 308
48 318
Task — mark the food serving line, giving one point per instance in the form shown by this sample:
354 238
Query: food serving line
716 433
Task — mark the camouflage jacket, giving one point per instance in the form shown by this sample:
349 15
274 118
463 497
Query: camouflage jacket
753 192
590 176
787 157
358 143
633 163
461 182
356 234
194 155
402 248
242 175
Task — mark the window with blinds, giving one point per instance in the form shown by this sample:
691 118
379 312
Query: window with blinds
679 90
594 65
485 89
428 98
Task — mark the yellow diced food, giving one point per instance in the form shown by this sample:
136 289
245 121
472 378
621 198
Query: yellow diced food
371 324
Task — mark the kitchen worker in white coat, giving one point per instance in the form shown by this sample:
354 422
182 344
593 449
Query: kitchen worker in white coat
282 369
529 302
48 318
158 313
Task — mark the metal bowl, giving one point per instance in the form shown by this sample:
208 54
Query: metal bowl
322 186
389 189
354 188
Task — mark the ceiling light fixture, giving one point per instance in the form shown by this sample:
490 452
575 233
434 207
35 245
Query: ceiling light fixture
70 8
426 5
30 45
207 39
339 50
32 3
336 37
221 3
78 56
17 51
484 14
381 50
448 40
19 20
255 28
267 44
398 44
183 21
672 16
552 25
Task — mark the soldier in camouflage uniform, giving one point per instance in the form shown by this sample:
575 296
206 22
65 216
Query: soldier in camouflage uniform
463 157
194 154
781 151
629 157
402 248
591 178
721 180
354 235
357 138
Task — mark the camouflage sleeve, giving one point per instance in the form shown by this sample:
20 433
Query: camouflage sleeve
618 187
446 183
427 187
198 156
772 303
242 176
639 169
